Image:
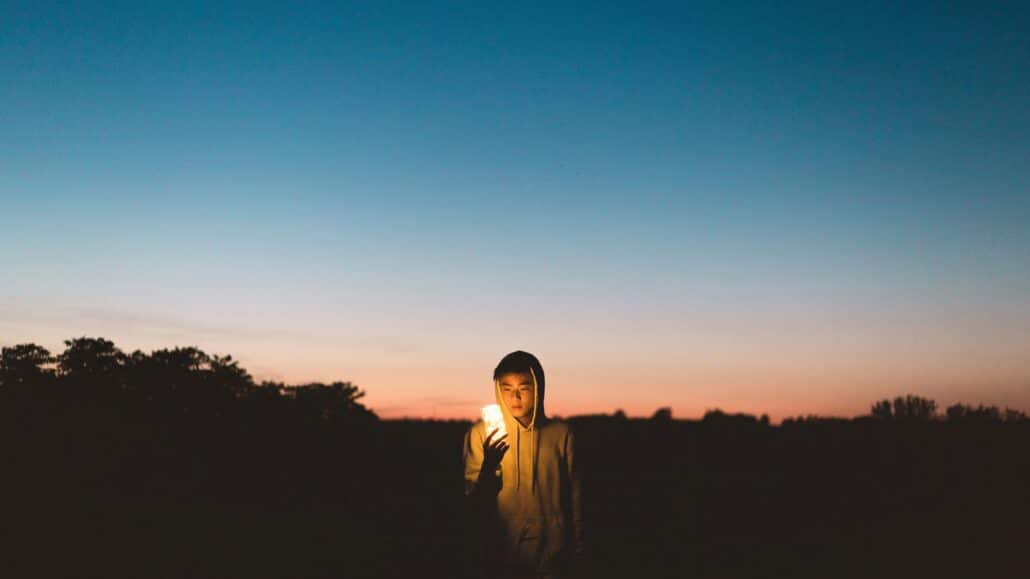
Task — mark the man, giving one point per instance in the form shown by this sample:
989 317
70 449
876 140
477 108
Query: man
524 486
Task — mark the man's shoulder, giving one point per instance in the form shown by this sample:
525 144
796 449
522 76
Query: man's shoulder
477 429
558 426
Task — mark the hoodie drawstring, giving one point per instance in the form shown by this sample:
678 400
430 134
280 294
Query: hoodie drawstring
518 472
536 450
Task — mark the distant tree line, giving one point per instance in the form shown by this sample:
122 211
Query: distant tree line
912 408
903 409
188 380
179 422
185 380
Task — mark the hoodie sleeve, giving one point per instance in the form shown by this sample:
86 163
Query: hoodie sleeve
575 493
478 484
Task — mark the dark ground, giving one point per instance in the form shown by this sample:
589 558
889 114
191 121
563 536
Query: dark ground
112 491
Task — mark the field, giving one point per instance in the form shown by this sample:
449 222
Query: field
106 494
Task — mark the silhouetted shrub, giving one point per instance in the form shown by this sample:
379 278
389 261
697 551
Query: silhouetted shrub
908 408
663 414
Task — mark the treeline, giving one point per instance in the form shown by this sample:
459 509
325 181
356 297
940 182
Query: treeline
903 409
192 382
183 380
94 419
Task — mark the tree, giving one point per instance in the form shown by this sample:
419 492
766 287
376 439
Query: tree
714 415
913 408
228 373
717 416
908 408
964 413
663 414
882 410
90 358
332 403
25 364
1013 415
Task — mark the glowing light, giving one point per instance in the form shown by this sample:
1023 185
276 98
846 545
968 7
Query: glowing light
494 419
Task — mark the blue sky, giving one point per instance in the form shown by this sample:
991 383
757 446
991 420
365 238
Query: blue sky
704 198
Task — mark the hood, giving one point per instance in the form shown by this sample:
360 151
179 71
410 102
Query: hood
519 435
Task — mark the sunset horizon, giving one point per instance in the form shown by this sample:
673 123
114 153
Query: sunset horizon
760 209
450 405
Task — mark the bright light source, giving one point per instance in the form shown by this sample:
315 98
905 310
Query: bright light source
494 420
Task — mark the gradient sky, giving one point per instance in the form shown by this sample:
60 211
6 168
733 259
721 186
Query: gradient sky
762 208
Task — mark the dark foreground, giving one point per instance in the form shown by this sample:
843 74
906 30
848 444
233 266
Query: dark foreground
111 495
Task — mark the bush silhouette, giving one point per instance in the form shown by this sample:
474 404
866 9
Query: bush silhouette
908 408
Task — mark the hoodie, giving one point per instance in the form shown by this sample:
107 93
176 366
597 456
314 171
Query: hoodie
530 507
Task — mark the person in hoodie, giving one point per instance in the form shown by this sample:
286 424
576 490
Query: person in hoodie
524 486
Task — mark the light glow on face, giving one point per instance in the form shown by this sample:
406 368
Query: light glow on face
494 419
518 394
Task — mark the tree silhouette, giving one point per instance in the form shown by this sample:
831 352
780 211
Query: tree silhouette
914 408
332 402
964 413
1012 415
908 408
227 372
663 414
717 416
25 363
174 381
882 410
90 360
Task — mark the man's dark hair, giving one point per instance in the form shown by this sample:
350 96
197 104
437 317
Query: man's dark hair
519 362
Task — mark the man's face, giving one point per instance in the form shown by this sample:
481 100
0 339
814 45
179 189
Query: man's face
517 393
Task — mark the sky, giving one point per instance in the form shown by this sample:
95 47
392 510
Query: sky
760 208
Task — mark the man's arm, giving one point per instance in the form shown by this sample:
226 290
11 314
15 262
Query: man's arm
480 484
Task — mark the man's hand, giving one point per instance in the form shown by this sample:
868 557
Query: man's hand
493 451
